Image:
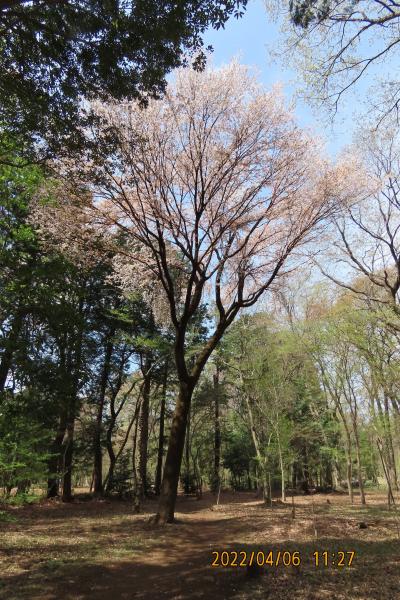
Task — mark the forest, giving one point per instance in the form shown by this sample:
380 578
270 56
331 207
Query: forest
199 307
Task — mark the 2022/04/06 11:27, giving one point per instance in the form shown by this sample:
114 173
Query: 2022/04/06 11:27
280 558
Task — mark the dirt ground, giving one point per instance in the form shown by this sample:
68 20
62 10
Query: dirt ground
100 550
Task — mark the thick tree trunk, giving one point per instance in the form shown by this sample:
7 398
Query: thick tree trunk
98 452
187 383
160 452
187 479
173 461
53 487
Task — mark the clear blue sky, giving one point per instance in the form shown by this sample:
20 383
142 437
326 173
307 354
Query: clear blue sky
247 38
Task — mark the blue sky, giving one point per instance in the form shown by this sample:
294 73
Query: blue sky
248 39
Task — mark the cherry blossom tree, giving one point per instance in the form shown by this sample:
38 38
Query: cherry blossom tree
215 191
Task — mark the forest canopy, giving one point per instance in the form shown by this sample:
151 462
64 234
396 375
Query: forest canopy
59 54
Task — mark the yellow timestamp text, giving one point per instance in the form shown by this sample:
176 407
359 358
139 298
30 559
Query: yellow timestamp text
281 558
261 558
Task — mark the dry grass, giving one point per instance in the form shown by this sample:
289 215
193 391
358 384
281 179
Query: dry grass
98 550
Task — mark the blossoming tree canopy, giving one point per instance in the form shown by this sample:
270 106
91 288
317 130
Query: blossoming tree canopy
217 174
216 190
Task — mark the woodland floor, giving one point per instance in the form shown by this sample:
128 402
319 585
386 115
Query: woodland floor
99 550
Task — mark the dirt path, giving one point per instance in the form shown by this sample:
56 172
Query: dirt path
100 550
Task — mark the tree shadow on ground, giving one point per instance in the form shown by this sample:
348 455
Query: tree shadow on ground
119 555
188 574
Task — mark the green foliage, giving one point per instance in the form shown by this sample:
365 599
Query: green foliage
6 517
238 451
22 498
23 448
279 390
54 53
121 483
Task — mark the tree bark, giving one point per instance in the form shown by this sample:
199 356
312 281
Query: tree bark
187 480
136 486
187 383
173 461
349 470
144 429
111 455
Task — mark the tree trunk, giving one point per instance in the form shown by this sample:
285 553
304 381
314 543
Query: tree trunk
217 433
173 461
160 452
260 458
187 456
283 493
391 499
359 471
68 455
392 460
98 452
144 429
136 490
112 459
349 470
75 368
